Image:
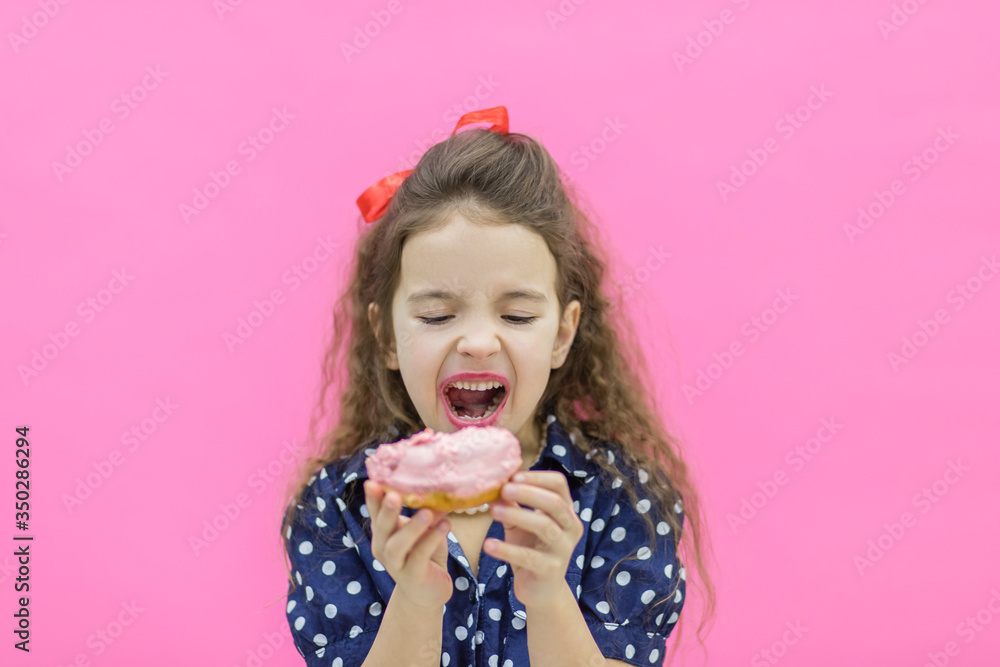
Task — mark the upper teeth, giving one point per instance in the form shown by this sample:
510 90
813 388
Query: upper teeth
480 386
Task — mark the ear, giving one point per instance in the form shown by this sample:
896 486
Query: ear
391 362
567 332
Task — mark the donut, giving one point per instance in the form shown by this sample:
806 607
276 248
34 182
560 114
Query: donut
447 471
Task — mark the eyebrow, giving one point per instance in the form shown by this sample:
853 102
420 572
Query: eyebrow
526 293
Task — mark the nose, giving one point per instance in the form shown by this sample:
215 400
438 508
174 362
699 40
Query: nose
478 339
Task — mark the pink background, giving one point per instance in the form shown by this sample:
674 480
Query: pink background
671 133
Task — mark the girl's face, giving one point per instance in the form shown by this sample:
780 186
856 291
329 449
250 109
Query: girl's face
478 299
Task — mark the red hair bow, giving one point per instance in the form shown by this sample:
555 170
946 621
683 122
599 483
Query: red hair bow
375 200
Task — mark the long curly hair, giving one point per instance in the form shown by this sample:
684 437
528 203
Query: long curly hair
599 394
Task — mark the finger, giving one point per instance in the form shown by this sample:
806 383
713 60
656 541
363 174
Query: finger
538 562
402 540
383 526
425 547
373 498
543 499
539 524
553 480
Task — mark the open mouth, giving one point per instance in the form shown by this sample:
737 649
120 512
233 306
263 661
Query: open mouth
474 401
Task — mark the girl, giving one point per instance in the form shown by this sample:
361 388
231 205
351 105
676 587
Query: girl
480 268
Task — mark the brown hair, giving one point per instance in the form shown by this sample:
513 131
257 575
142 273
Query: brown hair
601 392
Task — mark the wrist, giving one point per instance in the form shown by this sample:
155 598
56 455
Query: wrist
557 599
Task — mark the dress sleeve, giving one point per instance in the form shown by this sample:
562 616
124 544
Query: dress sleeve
631 607
334 610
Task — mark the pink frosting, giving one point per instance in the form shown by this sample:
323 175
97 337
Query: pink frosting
464 463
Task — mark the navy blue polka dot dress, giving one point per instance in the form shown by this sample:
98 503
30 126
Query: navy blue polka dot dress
341 590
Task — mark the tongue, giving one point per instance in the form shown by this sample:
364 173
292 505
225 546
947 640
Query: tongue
470 402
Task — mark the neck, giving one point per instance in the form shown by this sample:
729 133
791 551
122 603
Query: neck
531 445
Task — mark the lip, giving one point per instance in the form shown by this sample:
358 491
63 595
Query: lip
474 377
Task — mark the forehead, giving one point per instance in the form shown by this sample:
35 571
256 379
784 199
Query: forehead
466 258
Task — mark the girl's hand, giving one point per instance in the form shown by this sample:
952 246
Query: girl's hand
414 550
538 541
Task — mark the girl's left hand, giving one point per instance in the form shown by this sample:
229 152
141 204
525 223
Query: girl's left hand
538 541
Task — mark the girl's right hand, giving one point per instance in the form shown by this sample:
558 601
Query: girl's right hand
414 550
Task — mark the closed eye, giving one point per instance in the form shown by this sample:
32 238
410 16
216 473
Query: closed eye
441 320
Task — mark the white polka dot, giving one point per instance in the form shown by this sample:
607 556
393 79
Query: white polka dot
451 537
663 528
290 607
654 655
610 626
350 478
579 561
580 473
642 506
348 541
468 622
647 597
579 589
298 577
288 532
518 623
482 588
615 484
480 636
669 570
623 578
673 618
364 510
598 525
461 583
461 633
618 534
683 575
354 588
329 567
463 561
596 561
659 619
309 593
615 509
611 456
494 614
629 651
300 622
576 506
445 659
677 508
377 564
508 663
502 570
559 450
643 476
306 548
603 607
355 631
643 553
375 609
585 514
319 640
330 610
493 661
321 504
677 596
337 662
